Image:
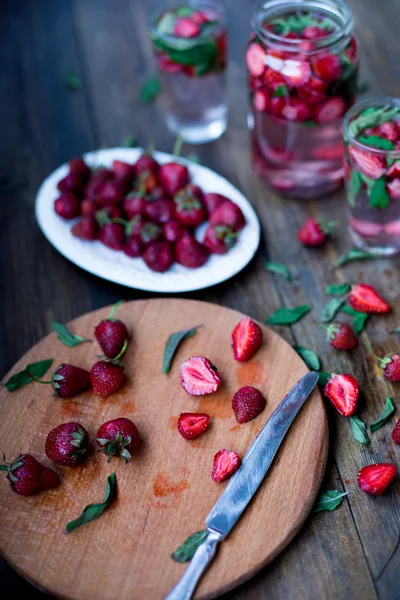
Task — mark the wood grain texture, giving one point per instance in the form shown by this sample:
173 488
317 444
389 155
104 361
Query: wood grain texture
336 555
165 493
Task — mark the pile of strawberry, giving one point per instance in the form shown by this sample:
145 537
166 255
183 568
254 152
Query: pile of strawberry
148 210
299 83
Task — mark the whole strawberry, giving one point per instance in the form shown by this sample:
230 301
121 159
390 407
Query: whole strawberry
219 239
228 213
396 433
67 206
314 232
107 376
247 403
189 208
67 444
173 177
189 252
27 476
146 163
390 365
119 437
67 380
86 229
111 334
246 339
341 336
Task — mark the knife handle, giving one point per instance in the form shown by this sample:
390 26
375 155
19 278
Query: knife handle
203 556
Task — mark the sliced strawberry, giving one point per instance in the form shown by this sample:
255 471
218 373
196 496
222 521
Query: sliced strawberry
342 391
296 72
276 105
255 59
365 298
396 433
394 189
314 91
246 339
313 32
327 67
295 110
352 50
374 479
365 228
330 110
394 169
199 17
199 376
273 79
191 425
392 228
167 65
389 131
225 464
369 164
261 100
186 28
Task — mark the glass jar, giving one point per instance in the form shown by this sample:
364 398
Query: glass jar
372 174
190 44
302 76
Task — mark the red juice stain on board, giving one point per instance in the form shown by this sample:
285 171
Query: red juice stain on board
127 408
173 422
248 373
164 486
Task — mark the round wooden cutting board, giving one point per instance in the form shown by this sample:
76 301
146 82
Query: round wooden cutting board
166 492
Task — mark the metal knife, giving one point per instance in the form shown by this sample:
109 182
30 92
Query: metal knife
244 484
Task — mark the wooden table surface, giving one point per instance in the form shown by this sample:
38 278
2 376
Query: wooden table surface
337 554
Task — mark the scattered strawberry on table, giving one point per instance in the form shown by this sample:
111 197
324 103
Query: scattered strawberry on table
148 210
247 403
199 376
191 425
111 334
390 365
67 444
68 381
374 479
27 476
314 232
119 437
342 391
341 336
246 339
225 464
365 298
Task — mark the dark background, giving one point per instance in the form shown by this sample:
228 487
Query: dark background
338 554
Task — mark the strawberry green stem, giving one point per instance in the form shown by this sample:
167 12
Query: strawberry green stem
119 220
39 380
114 308
150 147
178 146
124 347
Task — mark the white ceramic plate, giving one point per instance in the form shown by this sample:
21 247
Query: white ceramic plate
133 272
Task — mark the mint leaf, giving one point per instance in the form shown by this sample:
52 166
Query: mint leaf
354 187
184 11
186 551
378 196
288 316
396 330
129 142
93 511
166 24
354 254
72 81
359 322
329 311
309 357
359 430
324 378
281 90
376 142
37 369
150 90
384 416
329 500
66 337
172 345
339 290
279 269
370 117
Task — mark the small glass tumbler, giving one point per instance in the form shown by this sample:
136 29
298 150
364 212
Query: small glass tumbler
372 174
302 65
190 43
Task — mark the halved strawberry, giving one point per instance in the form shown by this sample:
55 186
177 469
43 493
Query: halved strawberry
191 425
342 391
273 79
394 189
295 109
374 479
246 339
389 131
327 67
396 433
330 110
365 298
394 169
313 32
261 100
225 464
369 164
199 376
255 59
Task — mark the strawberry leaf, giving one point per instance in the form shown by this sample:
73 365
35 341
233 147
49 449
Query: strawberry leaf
279 269
376 142
338 290
309 357
329 311
359 430
66 337
354 187
172 345
386 413
37 369
324 378
150 90
359 318
72 81
288 316
354 254
186 551
378 196
93 511
329 500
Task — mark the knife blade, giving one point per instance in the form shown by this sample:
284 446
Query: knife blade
243 485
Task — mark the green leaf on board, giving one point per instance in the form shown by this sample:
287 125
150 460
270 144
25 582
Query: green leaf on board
359 430
279 269
93 511
331 309
150 90
338 290
37 369
288 316
386 413
375 141
66 337
186 551
354 187
172 344
310 358
354 254
324 378
378 196
329 500
72 81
